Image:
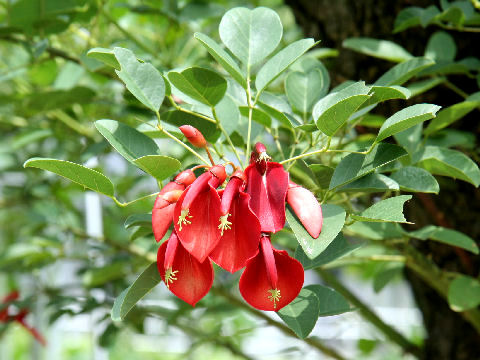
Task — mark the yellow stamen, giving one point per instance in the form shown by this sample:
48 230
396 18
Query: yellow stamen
224 223
182 219
274 296
170 276
263 157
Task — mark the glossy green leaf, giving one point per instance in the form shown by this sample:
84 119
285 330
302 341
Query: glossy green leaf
407 17
104 55
441 46
280 62
323 174
159 166
406 118
339 247
402 72
147 280
375 230
200 84
331 112
223 58
451 137
354 166
258 115
388 210
302 313
228 113
450 114
333 220
138 220
331 302
410 138
278 115
179 118
79 174
382 49
415 179
371 183
129 143
446 236
464 293
305 89
447 162
251 35
141 79
384 93
422 86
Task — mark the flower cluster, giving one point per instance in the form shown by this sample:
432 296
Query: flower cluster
231 227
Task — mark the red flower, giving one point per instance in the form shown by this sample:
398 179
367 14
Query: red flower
197 212
183 274
272 279
162 213
19 317
267 184
239 227
306 207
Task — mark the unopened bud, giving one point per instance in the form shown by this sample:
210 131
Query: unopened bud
185 177
193 135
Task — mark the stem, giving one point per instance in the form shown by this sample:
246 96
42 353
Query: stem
186 111
224 132
455 89
160 127
368 314
322 150
283 328
250 113
209 155
464 29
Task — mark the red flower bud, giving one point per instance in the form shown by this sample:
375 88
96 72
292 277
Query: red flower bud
306 207
185 178
193 135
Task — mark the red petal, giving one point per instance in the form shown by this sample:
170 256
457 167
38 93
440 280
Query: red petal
268 194
193 279
161 220
240 242
255 286
307 209
230 192
202 234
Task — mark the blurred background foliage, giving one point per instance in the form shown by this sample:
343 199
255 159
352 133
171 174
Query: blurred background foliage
68 262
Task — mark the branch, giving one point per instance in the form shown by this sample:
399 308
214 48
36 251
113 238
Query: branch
368 314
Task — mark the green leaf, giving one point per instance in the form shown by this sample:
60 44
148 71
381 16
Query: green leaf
446 236
381 49
449 115
79 174
104 55
441 46
331 112
305 89
407 18
402 72
447 162
384 93
339 247
141 79
333 220
354 166
207 128
376 231
415 179
451 137
302 313
222 57
388 210
138 220
147 280
331 302
386 274
258 115
200 84
251 35
406 118
371 183
464 293
410 138
159 166
323 174
96 276
228 113
280 62
422 86
129 143
278 115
